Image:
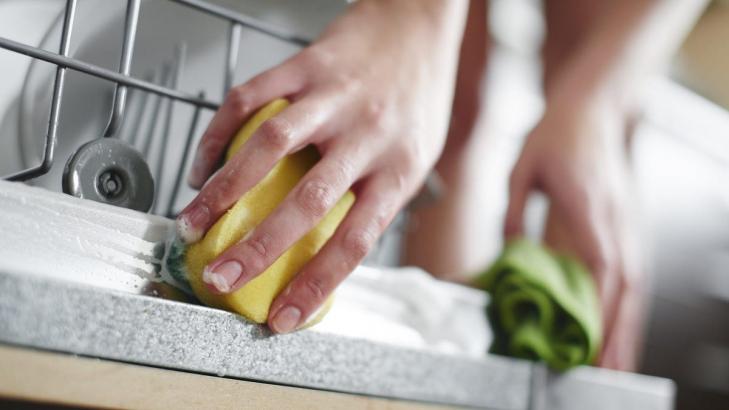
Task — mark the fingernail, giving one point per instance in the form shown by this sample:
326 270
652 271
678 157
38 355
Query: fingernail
190 225
286 319
223 276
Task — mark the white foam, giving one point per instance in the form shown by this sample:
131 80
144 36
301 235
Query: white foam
52 234
217 280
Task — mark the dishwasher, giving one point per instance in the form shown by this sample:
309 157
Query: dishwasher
96 135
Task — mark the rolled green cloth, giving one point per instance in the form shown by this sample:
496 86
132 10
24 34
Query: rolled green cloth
543 306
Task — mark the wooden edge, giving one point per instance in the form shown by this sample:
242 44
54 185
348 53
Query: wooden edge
40 376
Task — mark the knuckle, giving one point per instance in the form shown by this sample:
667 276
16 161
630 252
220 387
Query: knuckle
410 159
316 288
515 178
357 244
384 216
625 284
410 167
259 244
240 100
212 142
575 196
217 191
583 194
375 113
315 197
598 263
397 182
343 169
317 57
351 84
277 133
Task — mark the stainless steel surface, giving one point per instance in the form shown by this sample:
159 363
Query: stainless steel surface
122 79
141 108
118 104
104 73
169 210
51 134
62 316
176 74
592 388
246 21
110 171
231 55
165 75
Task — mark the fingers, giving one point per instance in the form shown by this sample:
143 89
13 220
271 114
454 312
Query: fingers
622 338
579 226
520 185
271 142
591 231
239 104
623 315
375 207
312 198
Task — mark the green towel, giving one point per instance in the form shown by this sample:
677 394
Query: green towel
543 306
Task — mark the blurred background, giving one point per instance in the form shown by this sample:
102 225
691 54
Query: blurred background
681 159
704 58
681 164
688 336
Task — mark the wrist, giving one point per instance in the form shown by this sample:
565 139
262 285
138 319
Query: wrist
582 93
432 20
596 75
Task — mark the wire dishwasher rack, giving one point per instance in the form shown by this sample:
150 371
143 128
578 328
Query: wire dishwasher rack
108 169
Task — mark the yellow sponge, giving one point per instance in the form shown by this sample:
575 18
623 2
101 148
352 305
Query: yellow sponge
254 299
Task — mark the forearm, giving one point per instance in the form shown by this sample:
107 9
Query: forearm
440 22
632 39
468 102
447 238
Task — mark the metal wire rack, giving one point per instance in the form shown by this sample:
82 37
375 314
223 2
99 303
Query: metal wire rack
163 85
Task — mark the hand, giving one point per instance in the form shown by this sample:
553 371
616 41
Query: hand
373 95
576 156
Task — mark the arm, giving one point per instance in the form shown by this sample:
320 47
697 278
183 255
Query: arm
576 153
629 40
446 237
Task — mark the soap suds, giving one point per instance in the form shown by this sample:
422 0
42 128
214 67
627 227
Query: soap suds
61 236
212 278
186 232
56 235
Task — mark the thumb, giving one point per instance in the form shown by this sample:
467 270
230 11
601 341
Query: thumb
519 189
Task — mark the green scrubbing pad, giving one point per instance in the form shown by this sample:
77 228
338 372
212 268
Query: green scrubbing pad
543 306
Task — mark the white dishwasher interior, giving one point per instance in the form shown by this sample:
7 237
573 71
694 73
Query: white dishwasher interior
681 158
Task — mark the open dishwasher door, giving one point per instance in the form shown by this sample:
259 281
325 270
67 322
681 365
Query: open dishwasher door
79 278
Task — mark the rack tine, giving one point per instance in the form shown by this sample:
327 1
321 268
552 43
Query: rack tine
176 73
52 132
120 95
185 154
123 133
101 72
231 55
250 22
152 124
141 109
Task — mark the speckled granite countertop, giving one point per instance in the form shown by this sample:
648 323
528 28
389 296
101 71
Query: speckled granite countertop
49 314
